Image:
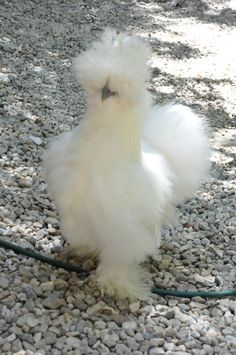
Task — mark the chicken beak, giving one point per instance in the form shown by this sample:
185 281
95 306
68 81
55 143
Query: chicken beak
106 93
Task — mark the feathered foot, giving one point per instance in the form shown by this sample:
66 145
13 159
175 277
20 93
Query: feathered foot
121 282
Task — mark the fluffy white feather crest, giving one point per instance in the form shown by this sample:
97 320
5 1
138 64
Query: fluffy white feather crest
117 59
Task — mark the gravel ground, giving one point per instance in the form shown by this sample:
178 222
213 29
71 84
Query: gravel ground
49 311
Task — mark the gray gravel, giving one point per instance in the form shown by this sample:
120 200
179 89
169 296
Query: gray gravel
48 311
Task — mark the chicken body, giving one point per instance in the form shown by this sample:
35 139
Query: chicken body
117 176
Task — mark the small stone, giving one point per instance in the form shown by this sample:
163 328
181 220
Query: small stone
55 330
92 340
169 346
219 280
205 280
37 337
36 140
165 261
80 304
110 339
131 343
4 282
156 342
173 302
53 302
130 325
156 351
6 347
21 321
189 256
148 309
174 3
24 183
47 286
211 333
16 330
139 337
11 338
95 308
170 315
50 338
158 332
191 344
4 78
16 346
112 326
32 321
134 307
231 340
122 349
195 335
198 305
198 299
73 342
61 284
215 250
100 324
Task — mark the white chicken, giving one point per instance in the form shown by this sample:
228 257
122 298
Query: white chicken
117 177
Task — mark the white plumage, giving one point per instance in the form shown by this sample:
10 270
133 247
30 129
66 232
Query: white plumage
117 176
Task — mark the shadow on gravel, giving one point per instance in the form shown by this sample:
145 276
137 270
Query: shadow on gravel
198 9
208 101
176 50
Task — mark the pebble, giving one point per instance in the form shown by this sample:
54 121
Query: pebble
16 346
80 304
198 305
50 338
110 339
156 351
156 342
4 282
231 340
95 308
36 140
134 307
130 325
211 333
32 321
73 342
122 349
169 346
100 324
6 347
47 286
170 315
10 338
139 337
53 302
165 261
4 78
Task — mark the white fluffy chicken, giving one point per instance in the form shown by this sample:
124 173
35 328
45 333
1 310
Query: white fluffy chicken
117 176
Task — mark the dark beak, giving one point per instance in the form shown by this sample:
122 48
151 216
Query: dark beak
106 93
